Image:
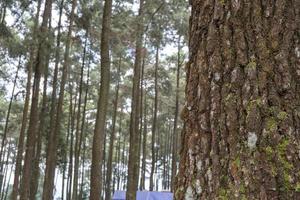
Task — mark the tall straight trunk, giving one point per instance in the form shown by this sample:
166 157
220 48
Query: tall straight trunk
72 110
99 132
56 66
124 161
175 135
21 139
41 130
103 165
9 179
5 171
145 129
54 131
154 124
241 133
133 161
32 129
141 110
70 144
78 132
4 138
112 138
119 149
83 126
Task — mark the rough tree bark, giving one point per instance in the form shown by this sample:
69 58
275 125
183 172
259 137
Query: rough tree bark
32 128
133 161
242 122
99 132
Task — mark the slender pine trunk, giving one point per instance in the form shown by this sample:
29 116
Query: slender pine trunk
54 131
112 138
154 124
4 138
99 132
78 132
133 161
175 134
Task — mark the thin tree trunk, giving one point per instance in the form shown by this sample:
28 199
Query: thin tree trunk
5 172
145 129
78 133
32 129
83 126
72 118
99 132
54 131
9 178
154 125
112 138
4 138
175 135
133 161
241 132
119 150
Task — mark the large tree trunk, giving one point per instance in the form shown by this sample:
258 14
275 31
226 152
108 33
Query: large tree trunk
32 129
133 161
99 132
55 127
241 134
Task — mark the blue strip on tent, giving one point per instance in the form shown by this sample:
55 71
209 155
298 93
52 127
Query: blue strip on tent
145 195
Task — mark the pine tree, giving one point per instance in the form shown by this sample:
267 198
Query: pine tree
99 134
240 136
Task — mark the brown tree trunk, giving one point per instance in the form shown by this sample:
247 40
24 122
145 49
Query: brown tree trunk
32 129
83 127
175 134
145 129
72 110
54 130
78 132
99 132
41 129
21 139
241 133
133 161
112 138
154 124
